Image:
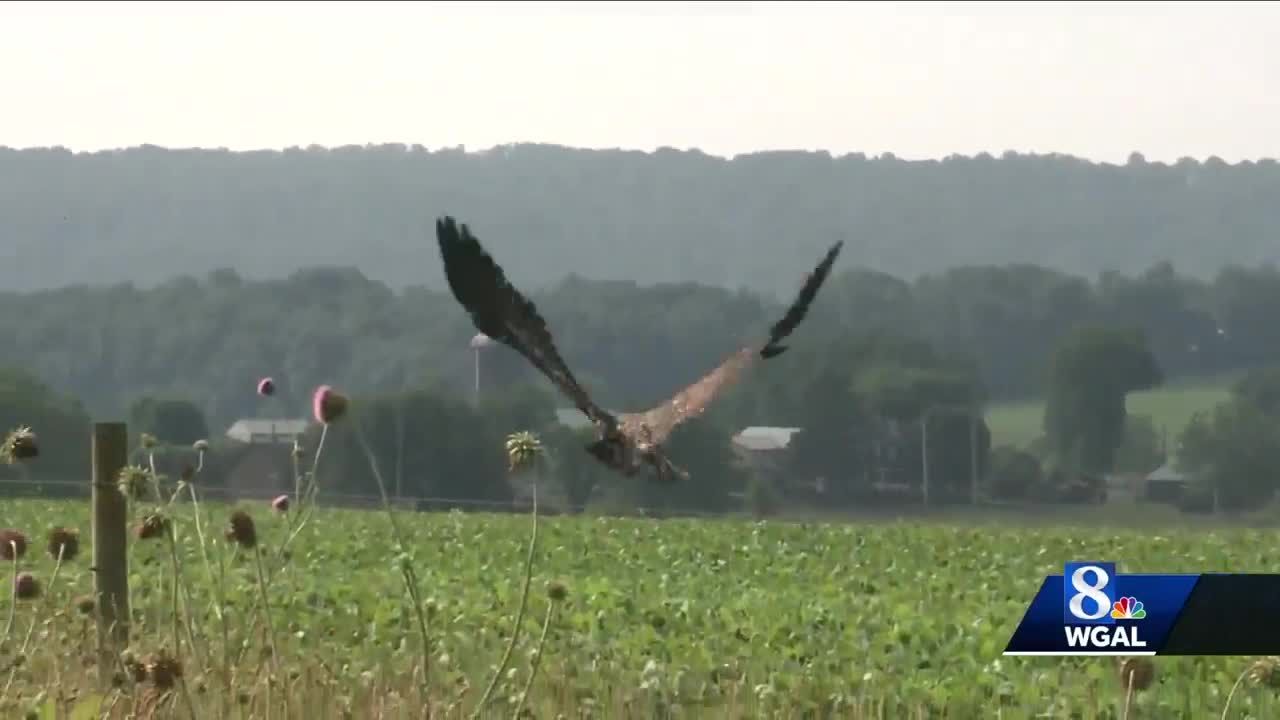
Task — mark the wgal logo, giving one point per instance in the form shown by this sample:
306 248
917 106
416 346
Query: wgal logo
1089 593
1090 599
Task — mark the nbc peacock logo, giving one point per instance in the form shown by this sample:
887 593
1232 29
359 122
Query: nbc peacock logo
1128 608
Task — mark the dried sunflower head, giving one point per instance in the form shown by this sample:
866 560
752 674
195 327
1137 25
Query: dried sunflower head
85 604
163 669
13 544
1266 671
154 525
242 530
1139 672
523 448
26 587
557 591
64 543
135 481
20 444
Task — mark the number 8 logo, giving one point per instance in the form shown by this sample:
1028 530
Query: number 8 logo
1091 591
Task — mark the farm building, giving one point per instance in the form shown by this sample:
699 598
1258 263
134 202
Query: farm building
1164 484
255 431
762 450
263 466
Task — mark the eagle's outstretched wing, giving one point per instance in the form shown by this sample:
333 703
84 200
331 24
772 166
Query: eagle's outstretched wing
500 311
693 400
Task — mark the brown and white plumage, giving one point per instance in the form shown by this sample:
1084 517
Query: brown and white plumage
693 400
500 311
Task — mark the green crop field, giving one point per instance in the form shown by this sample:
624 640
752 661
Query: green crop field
675 618
1169 407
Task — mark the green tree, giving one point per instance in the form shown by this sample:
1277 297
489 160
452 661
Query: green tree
1142 448
572 467
1261 388
1234 453
837 439
1091 372
424 443
933 404
173 421
1014 473
61 426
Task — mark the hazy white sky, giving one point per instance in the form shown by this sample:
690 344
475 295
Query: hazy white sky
916 79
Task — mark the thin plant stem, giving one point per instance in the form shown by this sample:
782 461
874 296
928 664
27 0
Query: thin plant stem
181 592
406 567
226 630
173 558
1128 695
13 590
524 602
266 609
312 490
219 590
155 476
26 641
160 504
297 477
186 695
537 658
48 596
1232 694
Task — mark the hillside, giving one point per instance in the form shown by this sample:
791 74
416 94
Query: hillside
147 214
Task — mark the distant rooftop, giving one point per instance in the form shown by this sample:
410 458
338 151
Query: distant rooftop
1166 473
266 430
761 437
752 438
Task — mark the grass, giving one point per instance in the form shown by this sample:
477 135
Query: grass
1170 408
707 619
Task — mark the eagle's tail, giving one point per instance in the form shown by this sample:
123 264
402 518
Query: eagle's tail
800 307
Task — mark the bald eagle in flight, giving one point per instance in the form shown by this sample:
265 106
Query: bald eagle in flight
624 443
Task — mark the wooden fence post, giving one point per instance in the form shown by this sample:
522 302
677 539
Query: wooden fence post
110 544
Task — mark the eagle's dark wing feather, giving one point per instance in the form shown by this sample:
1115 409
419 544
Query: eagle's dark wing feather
500 311
694 400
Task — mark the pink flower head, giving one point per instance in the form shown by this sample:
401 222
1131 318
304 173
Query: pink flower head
327 404
266 387
280 504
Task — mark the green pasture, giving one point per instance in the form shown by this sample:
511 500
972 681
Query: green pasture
1170 407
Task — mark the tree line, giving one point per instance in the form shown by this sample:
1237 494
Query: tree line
208 339
882 380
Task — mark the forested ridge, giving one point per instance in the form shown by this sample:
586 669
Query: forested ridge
146 214
649 270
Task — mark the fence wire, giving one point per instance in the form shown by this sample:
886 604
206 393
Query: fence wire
17 488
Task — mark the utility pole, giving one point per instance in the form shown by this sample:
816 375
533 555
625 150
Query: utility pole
973 457
478 343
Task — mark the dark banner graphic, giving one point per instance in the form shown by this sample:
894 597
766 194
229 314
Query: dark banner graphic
1092 610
